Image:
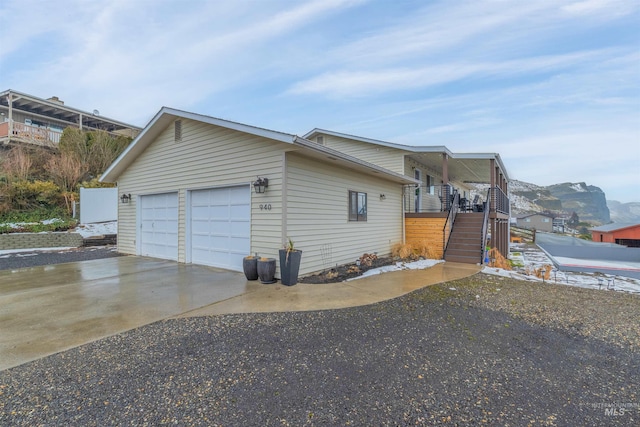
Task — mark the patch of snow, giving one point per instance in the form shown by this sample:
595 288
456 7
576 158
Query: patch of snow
578 187
51 221
416 265
97 229
533 259
6 252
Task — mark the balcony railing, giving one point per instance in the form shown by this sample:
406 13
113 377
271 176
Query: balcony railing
30 134
499 201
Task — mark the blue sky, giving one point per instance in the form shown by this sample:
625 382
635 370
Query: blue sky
553 86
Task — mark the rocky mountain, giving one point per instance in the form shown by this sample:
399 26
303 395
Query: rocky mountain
624 212
588 201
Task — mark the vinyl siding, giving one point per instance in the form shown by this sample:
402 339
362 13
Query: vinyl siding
386 157
208 156
317 204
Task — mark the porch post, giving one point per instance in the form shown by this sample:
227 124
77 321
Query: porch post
494 199
445 169
10 101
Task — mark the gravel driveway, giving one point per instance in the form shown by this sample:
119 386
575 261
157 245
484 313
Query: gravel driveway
479 351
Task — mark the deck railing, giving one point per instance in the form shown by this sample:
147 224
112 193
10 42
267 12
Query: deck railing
499 201
485 225
31 134
451 218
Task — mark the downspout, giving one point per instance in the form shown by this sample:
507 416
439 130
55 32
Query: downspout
404 230
285 225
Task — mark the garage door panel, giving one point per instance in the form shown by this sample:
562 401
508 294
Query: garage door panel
238 195
159 226
240 229
238 245
240 211
220 226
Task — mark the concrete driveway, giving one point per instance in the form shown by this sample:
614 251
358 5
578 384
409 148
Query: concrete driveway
47 309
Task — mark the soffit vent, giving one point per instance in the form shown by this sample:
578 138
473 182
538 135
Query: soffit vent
178 130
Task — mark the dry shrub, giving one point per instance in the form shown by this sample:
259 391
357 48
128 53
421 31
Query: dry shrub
497 260
402 250
425 250
352 269
331 274
17 164
367 260
543 272
66 171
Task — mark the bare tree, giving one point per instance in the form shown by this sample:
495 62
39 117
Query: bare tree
66 171
17 164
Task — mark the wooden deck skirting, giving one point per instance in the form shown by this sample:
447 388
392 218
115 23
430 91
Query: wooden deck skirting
426 227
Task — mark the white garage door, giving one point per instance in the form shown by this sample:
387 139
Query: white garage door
159 226
220 226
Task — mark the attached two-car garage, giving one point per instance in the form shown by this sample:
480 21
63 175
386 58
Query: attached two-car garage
218 222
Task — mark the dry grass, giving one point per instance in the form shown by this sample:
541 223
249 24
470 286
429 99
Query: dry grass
414 250
498 261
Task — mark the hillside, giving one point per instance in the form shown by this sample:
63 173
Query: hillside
624 212
587 201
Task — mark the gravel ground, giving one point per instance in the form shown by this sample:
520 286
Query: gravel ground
479 351
33 258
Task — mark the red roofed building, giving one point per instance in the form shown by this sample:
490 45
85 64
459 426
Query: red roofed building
622 234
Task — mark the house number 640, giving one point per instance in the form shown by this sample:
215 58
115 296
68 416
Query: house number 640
266 207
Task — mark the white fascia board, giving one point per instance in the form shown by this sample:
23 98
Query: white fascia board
411 148
335 155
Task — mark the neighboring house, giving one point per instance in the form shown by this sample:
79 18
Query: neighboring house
538 221
443 176
186 190
622 234
32 120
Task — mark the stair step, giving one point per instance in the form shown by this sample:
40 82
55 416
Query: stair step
462 259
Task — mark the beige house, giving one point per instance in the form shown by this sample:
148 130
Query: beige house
27 119
186 191
538 221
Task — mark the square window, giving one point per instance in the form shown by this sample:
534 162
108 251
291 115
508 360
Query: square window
357 206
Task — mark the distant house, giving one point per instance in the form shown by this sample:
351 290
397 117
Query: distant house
539 221
190 191
621 234
28 119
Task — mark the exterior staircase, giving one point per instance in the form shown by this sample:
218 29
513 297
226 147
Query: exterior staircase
465 243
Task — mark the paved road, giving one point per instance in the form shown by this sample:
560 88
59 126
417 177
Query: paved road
35 258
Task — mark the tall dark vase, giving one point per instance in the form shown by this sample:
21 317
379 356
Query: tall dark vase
289 266
250 267
267 270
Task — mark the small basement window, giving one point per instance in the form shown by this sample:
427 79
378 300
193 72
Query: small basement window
357 206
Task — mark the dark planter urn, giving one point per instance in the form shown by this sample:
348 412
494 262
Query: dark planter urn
289 266
250 267
267 270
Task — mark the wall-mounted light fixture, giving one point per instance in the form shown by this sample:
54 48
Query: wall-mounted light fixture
260 185
382 197
125 198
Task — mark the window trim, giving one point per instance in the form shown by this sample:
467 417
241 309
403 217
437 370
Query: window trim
356 215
